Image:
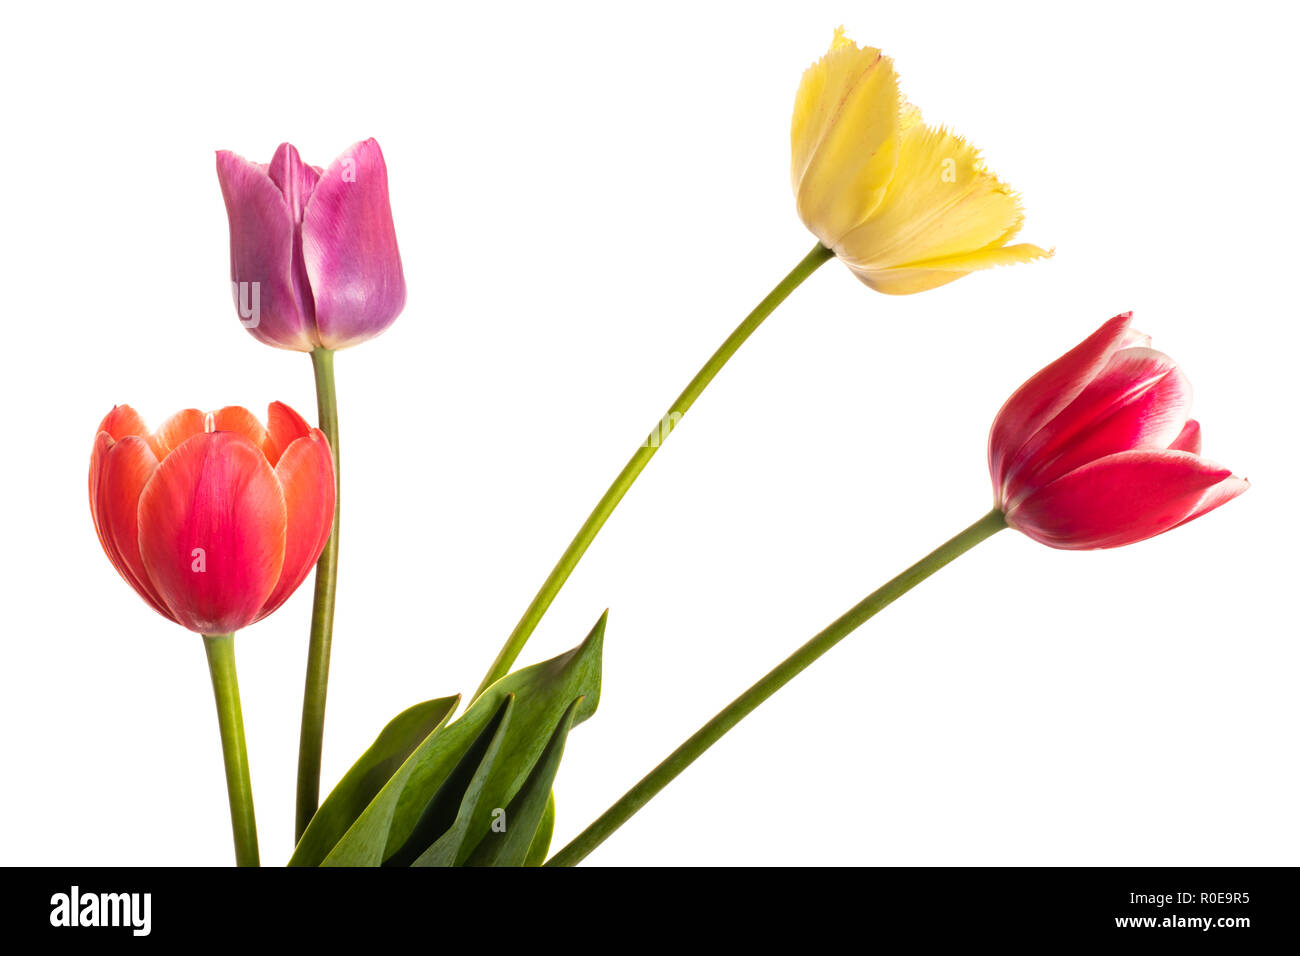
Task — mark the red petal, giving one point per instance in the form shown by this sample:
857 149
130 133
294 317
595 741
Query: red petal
1043 396
174 432
1118 500
1189 439
1139 400
123 420
119 472
98 451
216 500
284 426
1221 493
306 473
236 418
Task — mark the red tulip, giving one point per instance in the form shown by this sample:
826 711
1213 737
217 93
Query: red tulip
213 519
1097 451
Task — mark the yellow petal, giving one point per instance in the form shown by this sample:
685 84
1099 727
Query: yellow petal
844 138
908 116
941 202
922 276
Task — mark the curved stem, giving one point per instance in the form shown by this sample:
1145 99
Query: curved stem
609 501
312 737
220 649
774 680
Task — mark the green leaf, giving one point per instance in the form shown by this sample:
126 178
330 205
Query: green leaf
511 846
445 822
543 692
541 844
368 775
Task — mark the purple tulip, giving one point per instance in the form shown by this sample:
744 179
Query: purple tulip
313 253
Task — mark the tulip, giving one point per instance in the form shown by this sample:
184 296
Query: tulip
314 267
213 519
1097 450
906 206
313 253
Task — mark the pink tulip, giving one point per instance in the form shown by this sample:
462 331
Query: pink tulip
313 252
213 519
1097 451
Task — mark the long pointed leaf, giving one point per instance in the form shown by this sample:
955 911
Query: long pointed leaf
376 766
542 691
452 807
509 847
541 844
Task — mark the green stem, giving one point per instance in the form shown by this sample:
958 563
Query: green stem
774 680
220 649
312 737
609 501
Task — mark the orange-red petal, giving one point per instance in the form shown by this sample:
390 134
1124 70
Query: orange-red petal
284 426
236 418
212 531
306 473
123 420
119 472
176 430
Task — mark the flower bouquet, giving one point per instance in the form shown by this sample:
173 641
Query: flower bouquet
216 517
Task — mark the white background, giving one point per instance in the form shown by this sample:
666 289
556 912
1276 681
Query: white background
588 198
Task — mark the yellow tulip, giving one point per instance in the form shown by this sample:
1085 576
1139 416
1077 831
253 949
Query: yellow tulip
907 207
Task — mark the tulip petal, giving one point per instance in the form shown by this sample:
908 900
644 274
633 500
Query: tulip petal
296 182
923 276
350 249
123 420
1221 493
1189 439
844 138
262 239
1053 388
212 531
1120 499
306 473
294 178
942 202
236 418
284 426
176 430
119 472
1140 400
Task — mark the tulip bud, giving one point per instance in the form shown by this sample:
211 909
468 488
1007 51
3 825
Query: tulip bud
213 519
1097 450
313 252
907 207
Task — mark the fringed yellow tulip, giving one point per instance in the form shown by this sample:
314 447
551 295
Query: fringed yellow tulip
906 206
